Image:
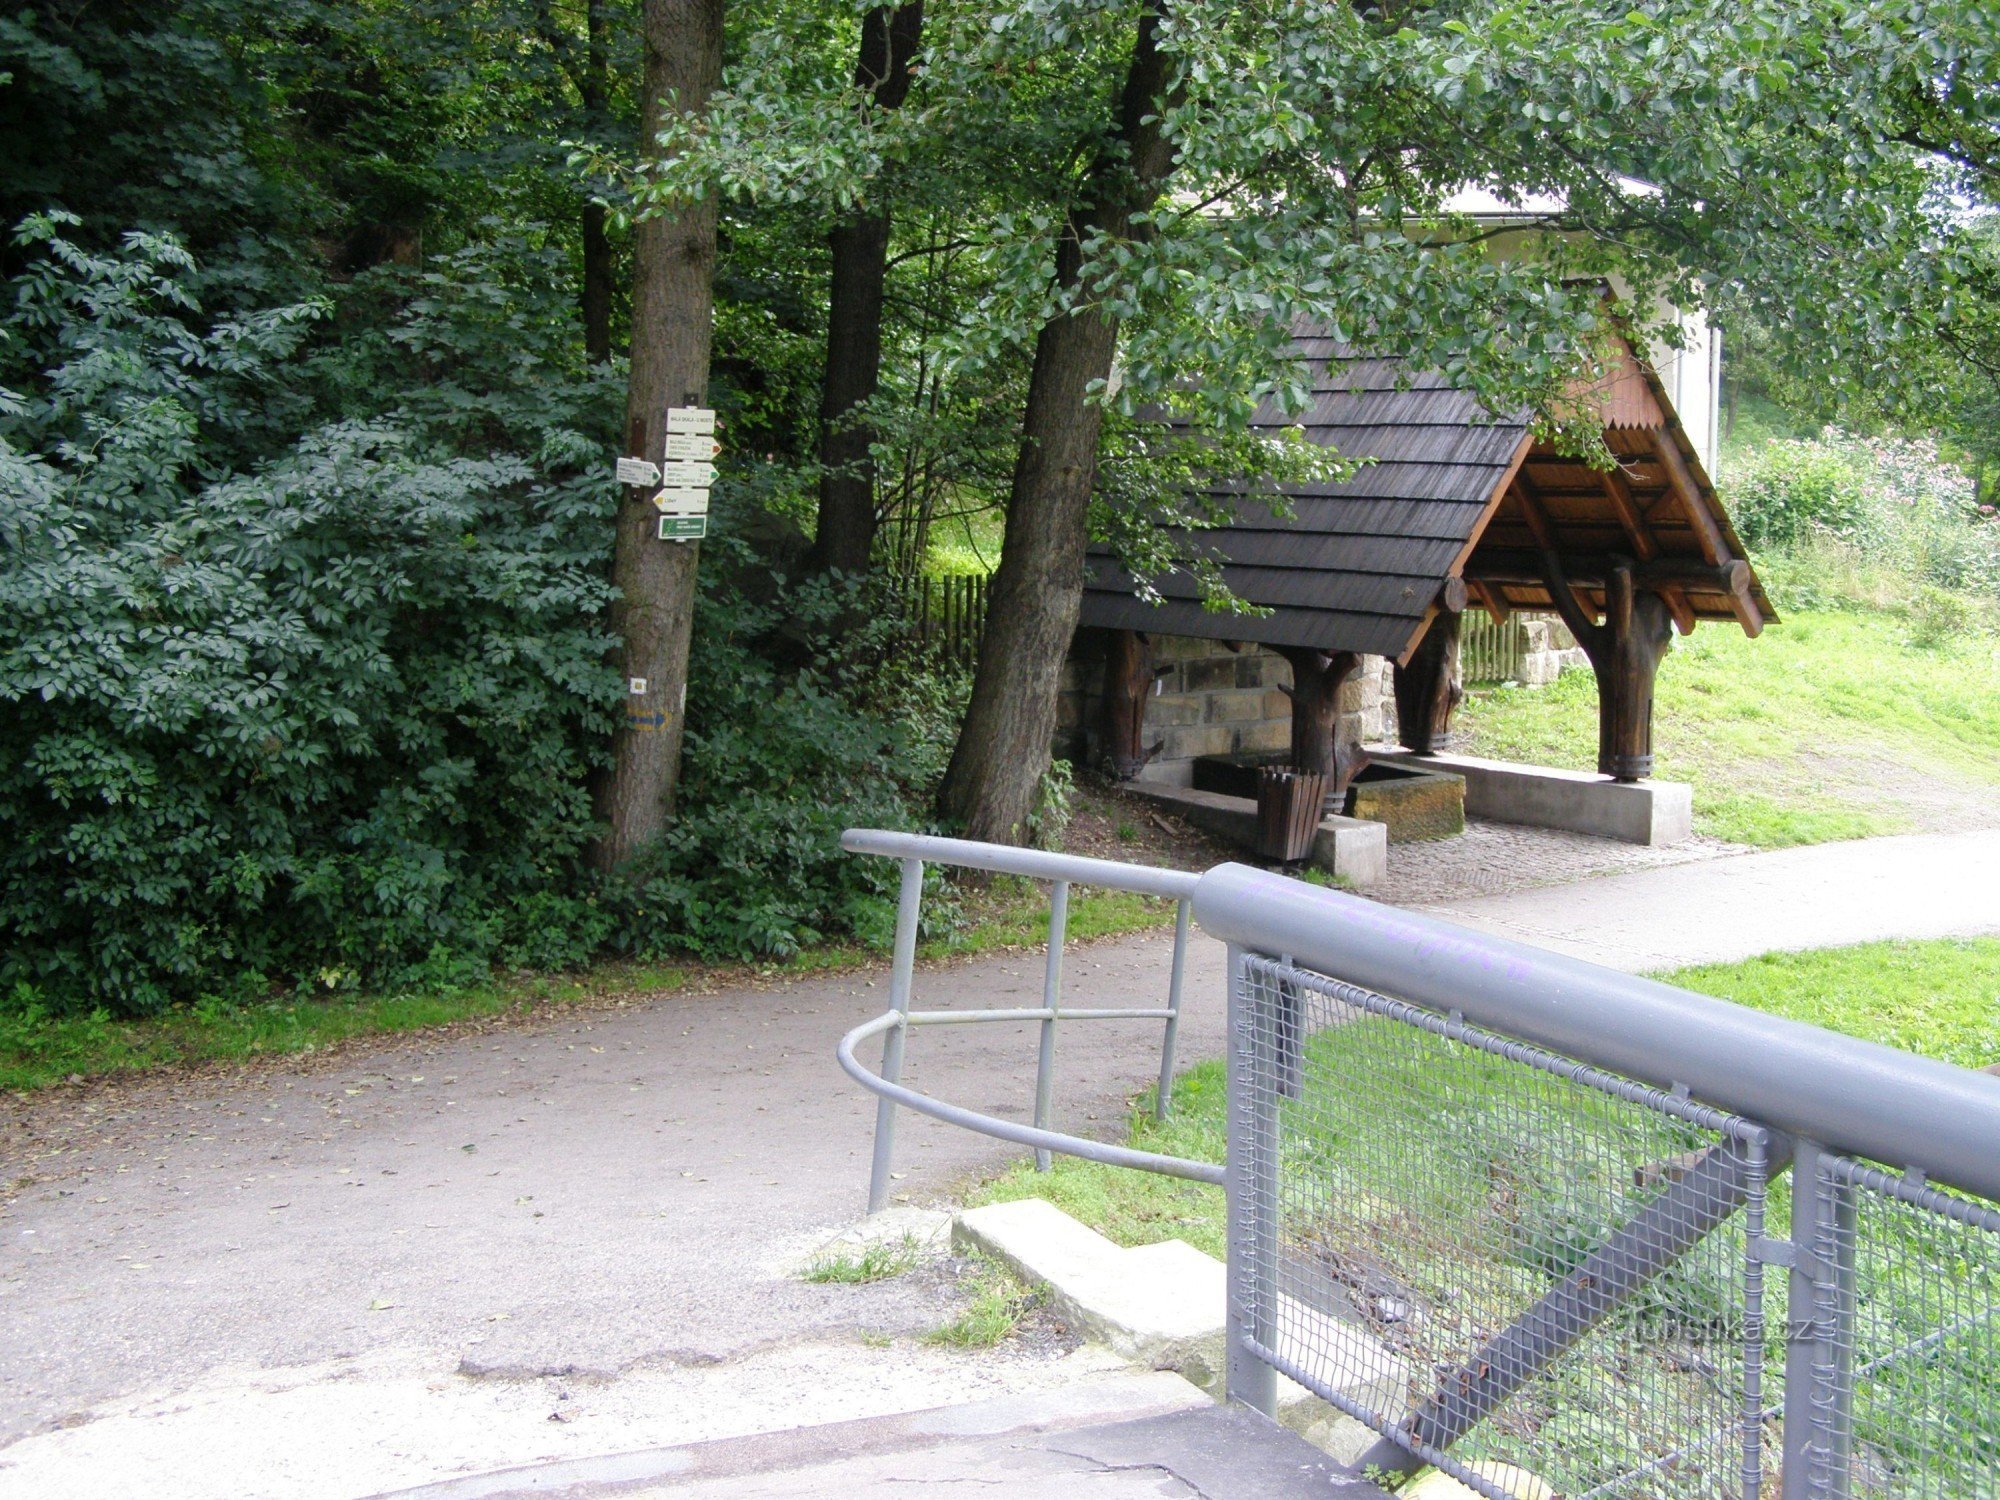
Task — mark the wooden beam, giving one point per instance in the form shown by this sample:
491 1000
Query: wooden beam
1575 610
1496 604
1451 595
1680 479
1618 490
1513 566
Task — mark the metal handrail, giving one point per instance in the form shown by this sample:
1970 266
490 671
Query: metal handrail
1008 1130
1855 1097
913 850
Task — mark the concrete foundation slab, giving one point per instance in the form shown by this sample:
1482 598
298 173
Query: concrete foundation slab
1355 850
1645 812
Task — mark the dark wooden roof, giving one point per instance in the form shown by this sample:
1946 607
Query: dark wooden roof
1360 566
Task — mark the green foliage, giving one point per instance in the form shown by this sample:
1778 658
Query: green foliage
319 708
777 762
1792 489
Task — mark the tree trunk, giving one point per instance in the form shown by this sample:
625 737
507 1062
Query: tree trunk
1128 687
860 251
1003 746
672 324
1317 678
595 299
1428 689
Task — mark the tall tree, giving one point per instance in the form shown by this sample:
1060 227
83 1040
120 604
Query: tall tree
859 248
672 329
1038 588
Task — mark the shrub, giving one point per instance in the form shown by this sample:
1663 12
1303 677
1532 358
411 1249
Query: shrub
321 706
1793 489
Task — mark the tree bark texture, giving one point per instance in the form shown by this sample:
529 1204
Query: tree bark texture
1128 687
672 325
1428 689
1003 746
1317 678
860 255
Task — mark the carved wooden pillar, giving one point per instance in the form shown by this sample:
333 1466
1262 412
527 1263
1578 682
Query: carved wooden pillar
1128 683
1428 689
1317 677
1625 658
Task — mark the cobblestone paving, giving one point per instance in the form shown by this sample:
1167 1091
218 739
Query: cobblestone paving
1492 858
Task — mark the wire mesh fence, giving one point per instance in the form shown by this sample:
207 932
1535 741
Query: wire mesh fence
1904 1390
1527 1272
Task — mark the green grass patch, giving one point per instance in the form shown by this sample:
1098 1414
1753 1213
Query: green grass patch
1939 998
1817 730
1139 1208
878 1262
997 1303
38 1049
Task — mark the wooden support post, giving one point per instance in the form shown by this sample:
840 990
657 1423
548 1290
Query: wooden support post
1626 661
1128 684
1624 651
1317 677
1428 686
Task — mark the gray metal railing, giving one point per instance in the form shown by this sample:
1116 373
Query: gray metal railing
1561 1231
913 850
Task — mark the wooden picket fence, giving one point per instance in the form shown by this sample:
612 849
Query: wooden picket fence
1489 652
948 614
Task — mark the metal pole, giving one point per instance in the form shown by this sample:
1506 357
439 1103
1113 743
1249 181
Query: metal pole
901 968
1250 1182
1819 1338
1163 1099
1045 1065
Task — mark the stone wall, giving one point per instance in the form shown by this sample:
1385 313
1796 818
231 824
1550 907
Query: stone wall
1213 701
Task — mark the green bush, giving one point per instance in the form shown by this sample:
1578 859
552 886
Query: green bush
303 653
323 705
778 761
1792 489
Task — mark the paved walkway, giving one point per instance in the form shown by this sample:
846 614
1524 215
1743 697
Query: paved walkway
438 1256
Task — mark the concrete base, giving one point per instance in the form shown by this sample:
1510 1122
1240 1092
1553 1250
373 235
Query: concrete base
1645 812
1356 851
1162 1306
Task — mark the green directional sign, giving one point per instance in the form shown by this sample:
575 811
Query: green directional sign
683 528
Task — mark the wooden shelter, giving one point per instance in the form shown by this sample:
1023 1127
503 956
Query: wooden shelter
1454 508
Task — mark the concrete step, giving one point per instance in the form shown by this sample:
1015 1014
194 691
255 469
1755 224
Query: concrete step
1162 1306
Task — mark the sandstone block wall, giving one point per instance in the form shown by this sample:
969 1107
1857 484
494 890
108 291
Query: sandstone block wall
1213 701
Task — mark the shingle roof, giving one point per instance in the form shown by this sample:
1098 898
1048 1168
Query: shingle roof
1359 565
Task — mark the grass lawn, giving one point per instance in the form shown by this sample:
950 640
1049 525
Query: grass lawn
1940 998
37 1050
1829 726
